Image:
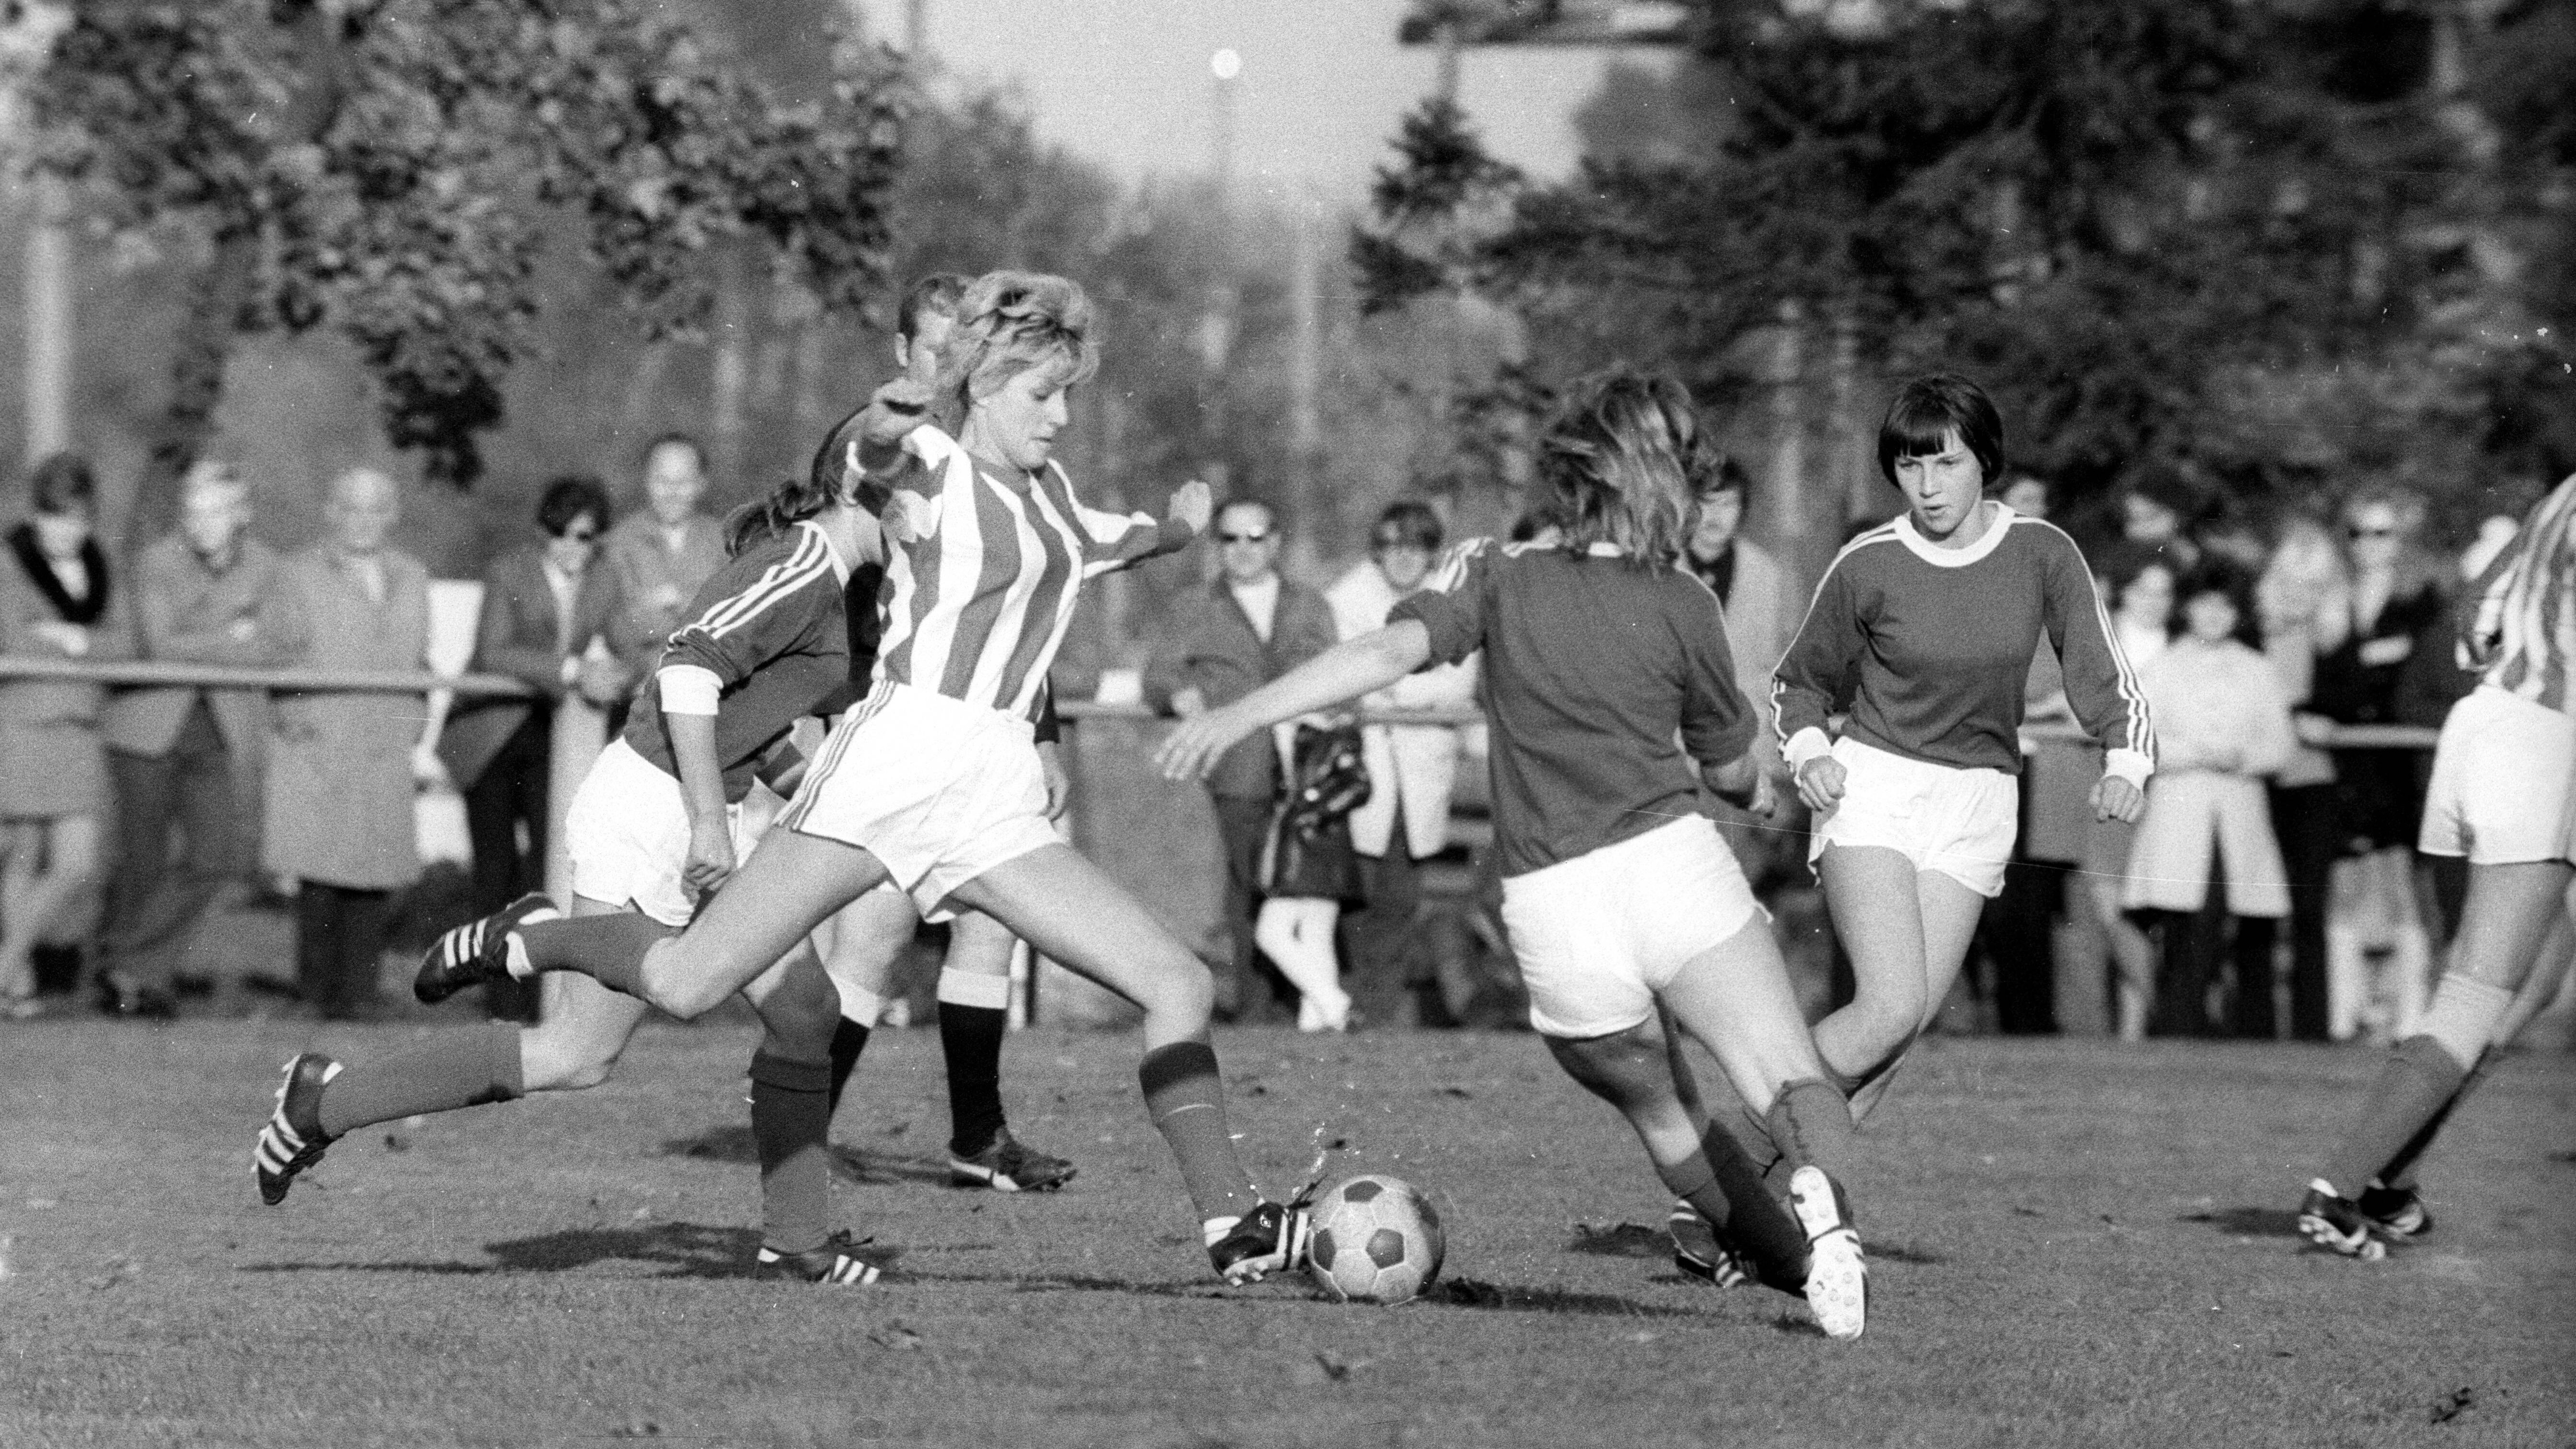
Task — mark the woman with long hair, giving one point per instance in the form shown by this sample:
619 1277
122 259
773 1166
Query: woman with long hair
658 824
2301 603
1612 699
1920 635
933 780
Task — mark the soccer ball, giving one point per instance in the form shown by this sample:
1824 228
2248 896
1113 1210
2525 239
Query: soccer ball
1376 1240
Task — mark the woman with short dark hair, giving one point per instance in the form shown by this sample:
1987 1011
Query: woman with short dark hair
56 601
1921 636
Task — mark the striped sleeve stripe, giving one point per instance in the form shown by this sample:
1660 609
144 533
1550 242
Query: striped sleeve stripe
779 581
1884 533
2536 620
2141 736
835 749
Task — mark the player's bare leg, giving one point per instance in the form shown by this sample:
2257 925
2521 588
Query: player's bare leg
2511 913
1907 932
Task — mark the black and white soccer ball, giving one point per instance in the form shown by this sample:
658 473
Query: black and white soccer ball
1376 1240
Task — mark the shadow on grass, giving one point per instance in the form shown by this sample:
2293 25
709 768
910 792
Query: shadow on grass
2249 1222
684 1250
737 1145
1449 1292
1636 1240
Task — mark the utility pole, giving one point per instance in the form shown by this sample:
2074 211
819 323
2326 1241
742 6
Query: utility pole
1217 319
50 354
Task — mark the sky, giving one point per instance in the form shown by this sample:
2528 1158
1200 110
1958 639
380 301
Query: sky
1127 83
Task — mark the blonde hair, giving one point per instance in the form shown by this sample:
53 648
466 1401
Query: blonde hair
1007 323
2305 587
1626 460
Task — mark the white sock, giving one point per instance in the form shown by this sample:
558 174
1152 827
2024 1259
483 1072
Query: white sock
965 988
1213 1230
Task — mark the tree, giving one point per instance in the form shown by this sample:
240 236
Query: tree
2154 228
391 169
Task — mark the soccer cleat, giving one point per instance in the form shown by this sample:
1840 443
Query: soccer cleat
835 1263
1269 1239
2337 1224
1009 1165
294 1140
1837 1278
1700 1252
2396 1212
476 952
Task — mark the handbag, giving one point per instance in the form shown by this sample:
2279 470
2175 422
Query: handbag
1327 780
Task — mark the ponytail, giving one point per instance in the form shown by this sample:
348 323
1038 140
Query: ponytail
791 502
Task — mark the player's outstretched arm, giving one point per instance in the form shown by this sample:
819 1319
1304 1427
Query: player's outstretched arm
1345 672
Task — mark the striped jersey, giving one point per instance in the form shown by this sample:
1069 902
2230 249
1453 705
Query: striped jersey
983 564
769 626
2525 631
1926 650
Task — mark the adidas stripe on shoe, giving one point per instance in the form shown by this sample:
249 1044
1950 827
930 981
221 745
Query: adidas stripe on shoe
836 1263
293 1139
2336 1224
478 951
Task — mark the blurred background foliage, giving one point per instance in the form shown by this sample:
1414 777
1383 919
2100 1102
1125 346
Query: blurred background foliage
2273 250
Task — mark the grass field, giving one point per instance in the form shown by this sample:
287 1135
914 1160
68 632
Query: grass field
2071 1243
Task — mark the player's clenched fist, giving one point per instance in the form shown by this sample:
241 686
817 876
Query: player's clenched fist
1193 504
1820 782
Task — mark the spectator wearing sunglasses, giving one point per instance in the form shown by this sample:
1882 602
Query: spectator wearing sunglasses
1411 768
1249 627
548 619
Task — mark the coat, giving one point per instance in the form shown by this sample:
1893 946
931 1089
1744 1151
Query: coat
656 582
515 634
26 703
339 792
1762 616
186 612
1415 765
2221 726
1213 647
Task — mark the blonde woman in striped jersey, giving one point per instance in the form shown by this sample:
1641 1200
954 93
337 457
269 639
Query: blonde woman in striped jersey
933 780
2500 797
1921 635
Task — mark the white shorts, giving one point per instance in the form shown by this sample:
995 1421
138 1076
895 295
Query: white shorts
628 833
938 790
2499 793
1958 822
1597 936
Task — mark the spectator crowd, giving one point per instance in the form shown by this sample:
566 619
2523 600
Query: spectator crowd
2270 888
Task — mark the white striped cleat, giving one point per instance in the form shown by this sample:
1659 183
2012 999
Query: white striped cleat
1837 1276
478 951
835 1263
294 1140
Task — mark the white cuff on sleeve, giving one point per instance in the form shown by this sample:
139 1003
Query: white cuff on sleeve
688 688
1806 745
2133 766
570 670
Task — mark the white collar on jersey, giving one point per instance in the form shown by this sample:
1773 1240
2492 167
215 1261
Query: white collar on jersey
840 565
1955 558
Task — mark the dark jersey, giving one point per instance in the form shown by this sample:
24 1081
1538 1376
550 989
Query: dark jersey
770 627
1603 682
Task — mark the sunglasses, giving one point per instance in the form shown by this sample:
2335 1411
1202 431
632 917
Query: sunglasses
1389 545
578 535
1243 537
2370 533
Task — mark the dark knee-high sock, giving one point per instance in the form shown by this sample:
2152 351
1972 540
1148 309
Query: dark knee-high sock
1727 1187
2400 1170
971 1036
607 949
791 1119
848 1040
2419 1078
1185 1097
1812 1123
454 1069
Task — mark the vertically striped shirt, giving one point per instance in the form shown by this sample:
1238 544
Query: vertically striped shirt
983 564
2525 633
1927 650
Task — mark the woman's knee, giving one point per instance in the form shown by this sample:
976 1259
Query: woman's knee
565 1064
